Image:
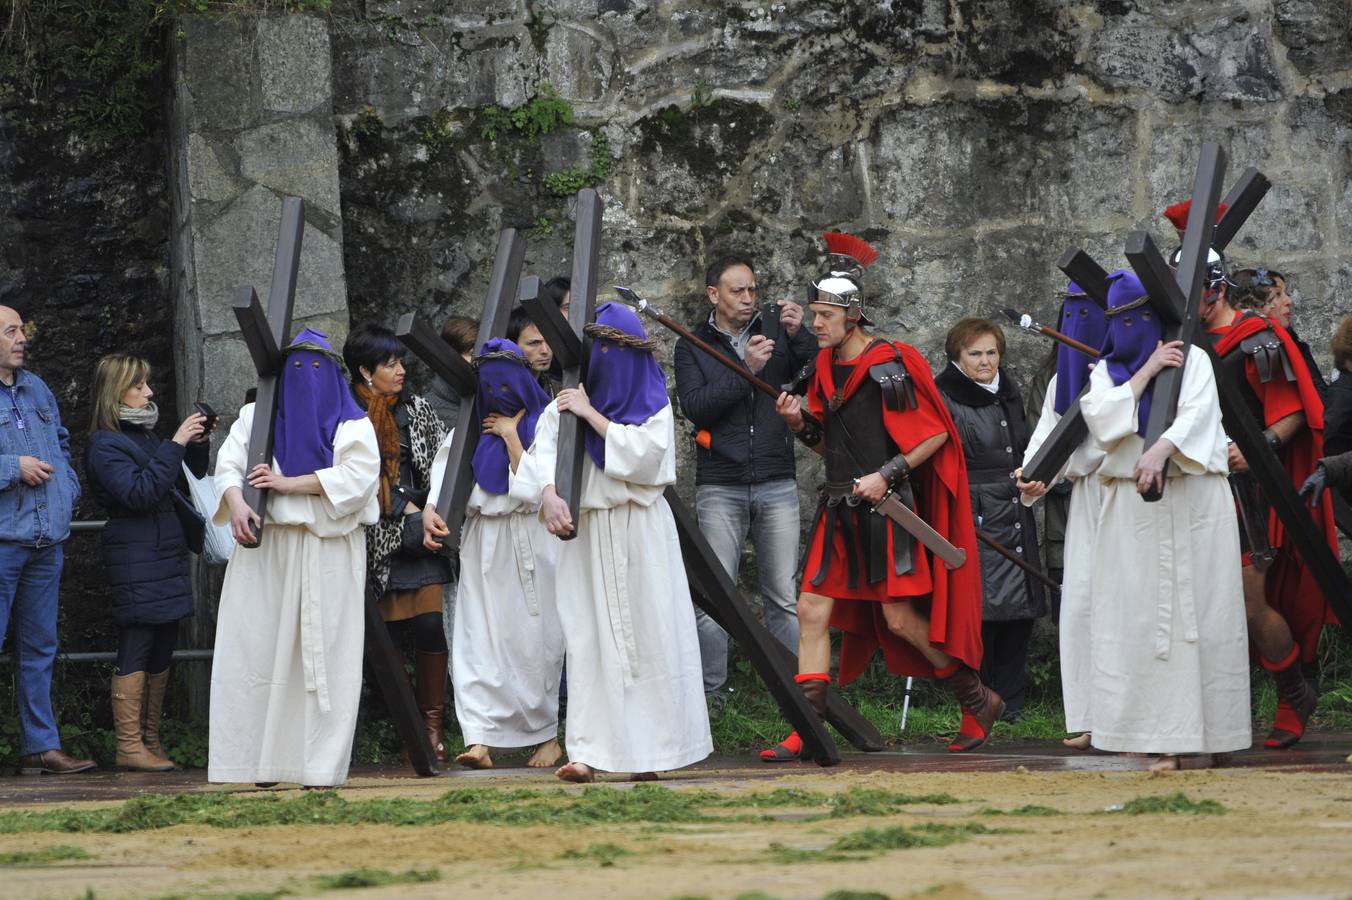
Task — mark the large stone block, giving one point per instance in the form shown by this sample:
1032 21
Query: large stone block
1315 33
953 166
215 64
1145 56
823 187
208 177
296 157
1291 217
293 64
238 247
576 63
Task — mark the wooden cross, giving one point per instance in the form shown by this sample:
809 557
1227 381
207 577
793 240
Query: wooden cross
1092 278
504 284
571 345
266 335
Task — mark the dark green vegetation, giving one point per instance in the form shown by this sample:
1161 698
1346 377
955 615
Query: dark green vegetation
592 806
602 854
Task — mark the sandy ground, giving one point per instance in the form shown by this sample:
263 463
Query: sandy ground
1287 833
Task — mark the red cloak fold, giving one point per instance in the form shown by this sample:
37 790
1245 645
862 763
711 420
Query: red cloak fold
954 597
1291 587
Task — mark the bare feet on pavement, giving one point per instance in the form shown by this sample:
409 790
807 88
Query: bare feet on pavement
1079 742
576 772
1173 762
643 776
475 757
545 755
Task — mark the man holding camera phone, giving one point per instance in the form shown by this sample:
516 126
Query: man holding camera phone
745 458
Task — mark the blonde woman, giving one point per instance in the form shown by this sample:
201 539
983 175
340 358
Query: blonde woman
134 474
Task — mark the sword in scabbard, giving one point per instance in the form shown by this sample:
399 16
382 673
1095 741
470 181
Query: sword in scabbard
1027 323
890 505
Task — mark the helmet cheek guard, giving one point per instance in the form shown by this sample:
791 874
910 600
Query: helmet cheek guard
1216 272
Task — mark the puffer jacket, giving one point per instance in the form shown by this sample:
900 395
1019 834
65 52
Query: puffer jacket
132 472
994 434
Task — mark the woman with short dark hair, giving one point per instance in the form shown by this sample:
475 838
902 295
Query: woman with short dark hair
406 577
134 474
988 411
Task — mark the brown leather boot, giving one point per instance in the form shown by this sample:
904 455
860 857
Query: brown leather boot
431 691
981 706
54 762
128 692
1297 701
152 707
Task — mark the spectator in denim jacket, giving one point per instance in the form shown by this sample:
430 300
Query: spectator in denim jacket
38 490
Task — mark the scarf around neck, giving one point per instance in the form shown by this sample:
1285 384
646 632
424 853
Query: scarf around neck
144 417
380 410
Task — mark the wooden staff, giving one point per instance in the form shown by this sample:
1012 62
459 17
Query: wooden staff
1026 323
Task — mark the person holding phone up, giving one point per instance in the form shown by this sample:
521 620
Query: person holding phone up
138 478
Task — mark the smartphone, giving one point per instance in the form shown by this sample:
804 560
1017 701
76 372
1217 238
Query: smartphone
211 417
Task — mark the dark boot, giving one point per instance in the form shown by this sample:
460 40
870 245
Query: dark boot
151 710
815 686
431 691
981 706
1296 702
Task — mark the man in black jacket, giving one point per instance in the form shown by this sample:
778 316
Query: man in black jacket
744 477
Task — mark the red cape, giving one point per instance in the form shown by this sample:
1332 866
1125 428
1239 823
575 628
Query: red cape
955 599
1291 588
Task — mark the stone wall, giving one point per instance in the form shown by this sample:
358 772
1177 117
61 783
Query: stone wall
970 140
250 124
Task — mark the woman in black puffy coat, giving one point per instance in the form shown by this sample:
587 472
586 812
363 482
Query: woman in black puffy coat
135 475
988 410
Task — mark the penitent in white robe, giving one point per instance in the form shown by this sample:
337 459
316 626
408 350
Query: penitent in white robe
1076 621
1169 640
635 687
506 643
286 674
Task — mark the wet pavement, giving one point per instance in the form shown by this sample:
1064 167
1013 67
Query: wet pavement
1321 751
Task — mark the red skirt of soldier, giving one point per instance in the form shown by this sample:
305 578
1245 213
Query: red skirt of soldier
857 610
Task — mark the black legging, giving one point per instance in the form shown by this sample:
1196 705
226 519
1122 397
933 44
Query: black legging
146 648
428 635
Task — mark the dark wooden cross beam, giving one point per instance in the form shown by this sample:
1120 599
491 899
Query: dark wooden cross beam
715 593
1071 430
504 284
1176 296
573 356
266 335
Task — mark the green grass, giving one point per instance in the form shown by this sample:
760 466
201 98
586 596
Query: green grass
1031 809
47 855
366 878
643 803
1171 803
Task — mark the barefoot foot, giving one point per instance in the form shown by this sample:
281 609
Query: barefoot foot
643 776
576 772
545 755
475 757
1171 762
1079 742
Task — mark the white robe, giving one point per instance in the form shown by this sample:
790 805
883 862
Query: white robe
635 686
1170 644
1076 621
506 643
286 674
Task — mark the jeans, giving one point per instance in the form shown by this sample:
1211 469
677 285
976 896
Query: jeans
770 512
29 581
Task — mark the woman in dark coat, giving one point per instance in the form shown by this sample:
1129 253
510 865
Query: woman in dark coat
988 410
407 578
134 474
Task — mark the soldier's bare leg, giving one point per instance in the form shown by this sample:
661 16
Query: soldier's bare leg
814 666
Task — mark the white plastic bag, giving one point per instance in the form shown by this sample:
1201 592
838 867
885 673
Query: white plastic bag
218 543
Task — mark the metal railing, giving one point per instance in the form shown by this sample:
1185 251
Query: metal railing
93 526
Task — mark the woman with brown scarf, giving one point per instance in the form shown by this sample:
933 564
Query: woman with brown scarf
407 578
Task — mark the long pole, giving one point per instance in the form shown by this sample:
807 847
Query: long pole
1026 323
1016 559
